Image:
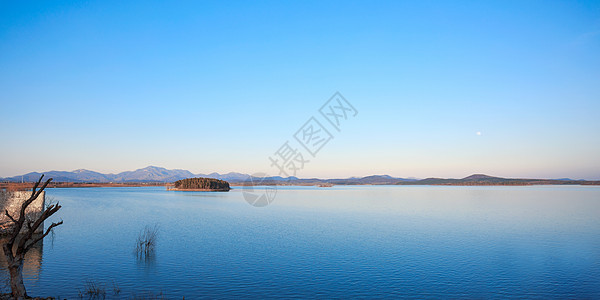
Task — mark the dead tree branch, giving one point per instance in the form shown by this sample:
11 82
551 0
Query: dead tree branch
25 237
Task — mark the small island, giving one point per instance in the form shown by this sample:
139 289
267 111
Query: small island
200 184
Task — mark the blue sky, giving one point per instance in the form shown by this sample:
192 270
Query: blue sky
220 86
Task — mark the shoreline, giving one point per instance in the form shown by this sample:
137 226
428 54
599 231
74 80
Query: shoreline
197 190
28 186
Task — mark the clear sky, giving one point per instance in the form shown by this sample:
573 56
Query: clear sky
444 89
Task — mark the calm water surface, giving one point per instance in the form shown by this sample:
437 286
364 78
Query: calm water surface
357 241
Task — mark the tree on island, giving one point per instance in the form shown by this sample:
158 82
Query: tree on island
201 183
22 236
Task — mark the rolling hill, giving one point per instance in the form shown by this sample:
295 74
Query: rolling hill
161 175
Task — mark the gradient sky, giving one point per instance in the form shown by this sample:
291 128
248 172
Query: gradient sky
219 86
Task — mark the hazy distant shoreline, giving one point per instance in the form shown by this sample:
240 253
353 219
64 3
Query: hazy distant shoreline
157 176
424 182
161 176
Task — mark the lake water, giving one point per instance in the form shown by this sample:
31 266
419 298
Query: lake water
344 241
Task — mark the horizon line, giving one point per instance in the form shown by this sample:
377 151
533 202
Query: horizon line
296 177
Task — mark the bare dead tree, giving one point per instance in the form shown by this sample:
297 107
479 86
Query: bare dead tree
22 238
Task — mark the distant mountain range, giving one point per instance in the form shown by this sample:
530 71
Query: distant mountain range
148 174
158 175
480 179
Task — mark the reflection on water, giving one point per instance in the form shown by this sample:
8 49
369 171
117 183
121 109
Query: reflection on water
362 241
31 266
